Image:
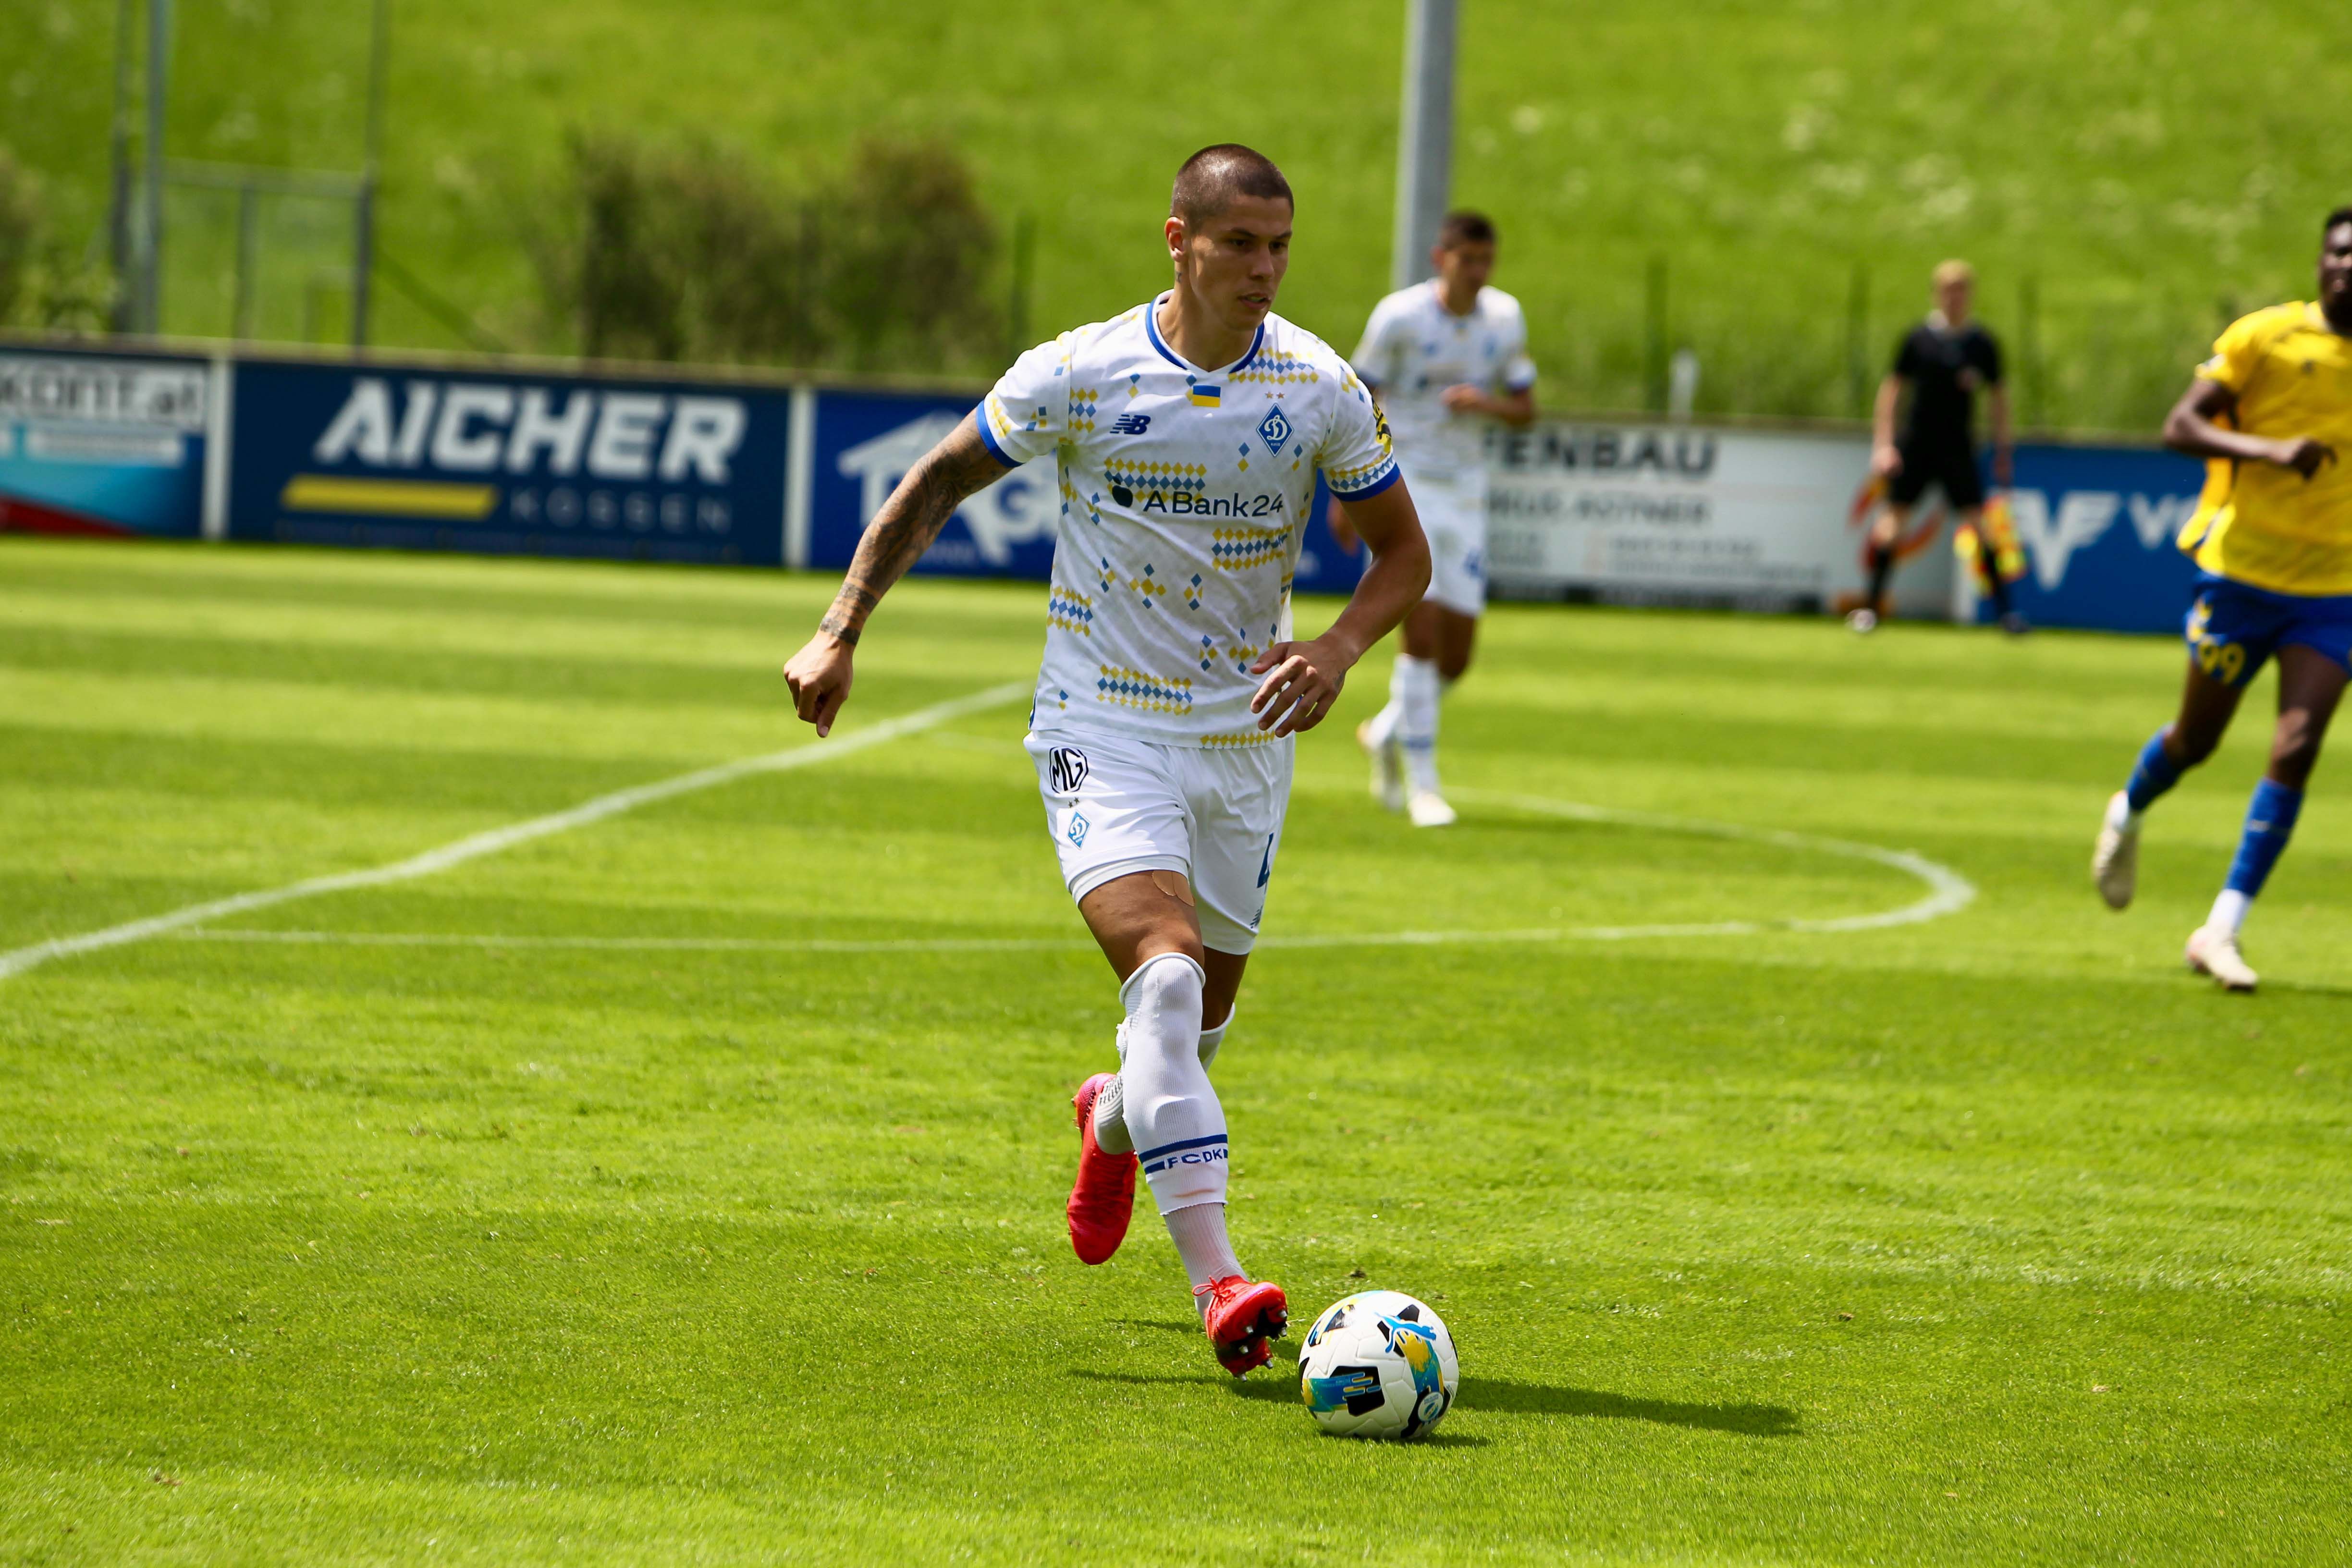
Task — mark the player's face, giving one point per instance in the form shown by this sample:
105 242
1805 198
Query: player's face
1234 264
1465 267
1953 299
2335 270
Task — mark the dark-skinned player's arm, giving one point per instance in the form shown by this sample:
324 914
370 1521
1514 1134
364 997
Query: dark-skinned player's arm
2189 430
1303 678
959 467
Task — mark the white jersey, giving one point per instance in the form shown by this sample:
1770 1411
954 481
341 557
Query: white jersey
1184 494
1414 348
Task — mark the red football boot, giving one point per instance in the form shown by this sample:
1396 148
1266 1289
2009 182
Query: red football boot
1240 1318
1102 1199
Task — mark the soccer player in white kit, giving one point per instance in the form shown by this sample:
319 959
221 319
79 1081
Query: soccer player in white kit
1188 434
1444 358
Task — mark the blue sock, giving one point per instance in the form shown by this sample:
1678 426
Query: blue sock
2155 773
2270 819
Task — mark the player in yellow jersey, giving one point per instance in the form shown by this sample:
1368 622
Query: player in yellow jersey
2272 538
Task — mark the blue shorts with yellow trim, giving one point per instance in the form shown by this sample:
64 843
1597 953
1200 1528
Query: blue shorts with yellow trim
2235 627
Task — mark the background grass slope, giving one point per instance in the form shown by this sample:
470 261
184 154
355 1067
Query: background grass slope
2151 169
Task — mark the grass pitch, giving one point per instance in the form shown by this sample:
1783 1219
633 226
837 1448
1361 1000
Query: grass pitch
485 1227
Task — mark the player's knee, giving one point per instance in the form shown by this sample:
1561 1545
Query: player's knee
2294 748
1453 666
1167 985
2191 745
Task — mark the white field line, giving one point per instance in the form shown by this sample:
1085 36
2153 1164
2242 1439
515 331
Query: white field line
475 846
1948 891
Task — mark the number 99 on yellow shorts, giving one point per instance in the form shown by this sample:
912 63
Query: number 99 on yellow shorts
2235 627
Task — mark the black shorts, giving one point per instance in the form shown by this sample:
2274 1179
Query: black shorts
1952 468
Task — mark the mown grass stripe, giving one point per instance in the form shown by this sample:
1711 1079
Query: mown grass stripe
475 846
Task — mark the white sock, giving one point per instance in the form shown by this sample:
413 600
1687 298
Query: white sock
2230 911
1415 685
1172 1113
2120 815
1111 1110
1199 1233
1211 1038
1110 1105
1381 728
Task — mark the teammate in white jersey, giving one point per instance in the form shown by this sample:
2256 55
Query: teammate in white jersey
1187 434
1444 358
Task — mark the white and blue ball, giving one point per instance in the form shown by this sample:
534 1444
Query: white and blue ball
1379 1365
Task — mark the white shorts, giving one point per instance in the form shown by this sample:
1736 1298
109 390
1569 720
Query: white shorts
1453 510
1116 805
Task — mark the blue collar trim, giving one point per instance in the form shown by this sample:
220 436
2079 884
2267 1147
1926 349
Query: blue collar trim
1152 327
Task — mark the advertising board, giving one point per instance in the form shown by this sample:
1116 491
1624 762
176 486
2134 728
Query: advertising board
103 443
866 441
2098 525
540 464
1671 514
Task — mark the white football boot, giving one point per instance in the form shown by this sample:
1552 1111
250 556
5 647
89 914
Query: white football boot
2115 860
1428 809
1388 767
2214 951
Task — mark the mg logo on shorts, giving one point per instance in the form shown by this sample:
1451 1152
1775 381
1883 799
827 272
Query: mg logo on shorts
1067 767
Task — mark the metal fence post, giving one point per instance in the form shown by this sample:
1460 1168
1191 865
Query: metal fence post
2032 409
1653 351
1857 341
159 48
1025 250
363 225
1425 138
247 214
122 312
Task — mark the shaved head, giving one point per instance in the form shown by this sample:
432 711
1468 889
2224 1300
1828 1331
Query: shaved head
1214 177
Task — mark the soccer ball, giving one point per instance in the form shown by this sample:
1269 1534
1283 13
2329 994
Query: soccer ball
1378 1365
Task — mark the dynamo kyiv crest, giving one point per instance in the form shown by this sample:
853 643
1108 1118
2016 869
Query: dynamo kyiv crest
1274 429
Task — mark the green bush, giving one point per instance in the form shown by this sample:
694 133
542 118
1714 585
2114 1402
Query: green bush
42 283
20 227
690 253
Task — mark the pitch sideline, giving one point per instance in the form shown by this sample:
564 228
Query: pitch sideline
475 845
1947 893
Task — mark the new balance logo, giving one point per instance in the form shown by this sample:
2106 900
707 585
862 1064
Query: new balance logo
1130 425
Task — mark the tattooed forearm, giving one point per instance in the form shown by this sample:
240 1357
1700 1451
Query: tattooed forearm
958 466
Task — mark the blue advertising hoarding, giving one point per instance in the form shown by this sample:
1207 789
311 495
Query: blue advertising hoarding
2098 525
491 460
866 441
864 444
103 443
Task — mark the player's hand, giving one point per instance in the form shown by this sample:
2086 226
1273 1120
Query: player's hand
2304 454
1343 532
1885 462
1463 398
1302 681
819 676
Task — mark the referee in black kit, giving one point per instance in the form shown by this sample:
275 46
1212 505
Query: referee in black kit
1944 362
